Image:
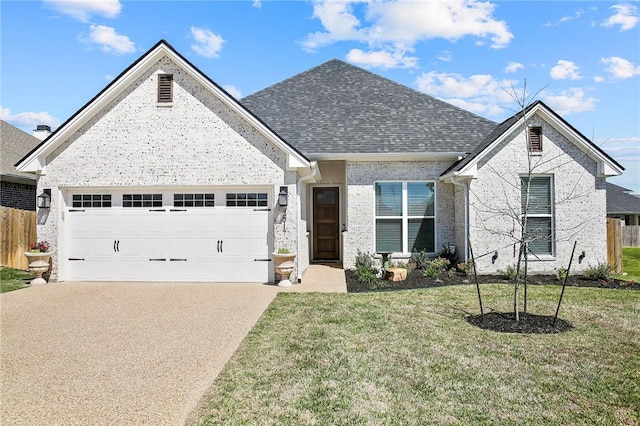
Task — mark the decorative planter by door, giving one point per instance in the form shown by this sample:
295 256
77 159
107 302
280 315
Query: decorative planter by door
38 264
284 264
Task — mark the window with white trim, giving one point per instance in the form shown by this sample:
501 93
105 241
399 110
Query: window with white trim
405 216
91 200
194 200
244 199
539 210
142 200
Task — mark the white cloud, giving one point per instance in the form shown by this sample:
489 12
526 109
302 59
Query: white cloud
82 10
626 17
28 118
620 67
513 67
598 79
579 13
108 40
381 59
445 56
624 149
206 43
570 101
396 26
257 4
233 91
480 93
565 70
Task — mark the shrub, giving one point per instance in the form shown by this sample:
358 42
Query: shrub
419 260
466 267
601 271
509 273
450 255
366 270
561 274
436 266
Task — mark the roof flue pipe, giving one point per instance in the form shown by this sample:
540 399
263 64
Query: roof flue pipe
42 131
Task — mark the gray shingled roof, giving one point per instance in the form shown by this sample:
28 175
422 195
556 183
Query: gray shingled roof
14 145
339 108
619 200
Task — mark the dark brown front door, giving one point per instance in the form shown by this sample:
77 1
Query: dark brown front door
326 227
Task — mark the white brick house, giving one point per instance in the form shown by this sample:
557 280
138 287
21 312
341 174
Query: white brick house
164 176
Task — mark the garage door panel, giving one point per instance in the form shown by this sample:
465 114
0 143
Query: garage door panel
205 244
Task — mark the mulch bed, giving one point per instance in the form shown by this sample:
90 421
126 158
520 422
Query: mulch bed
505 322
415 279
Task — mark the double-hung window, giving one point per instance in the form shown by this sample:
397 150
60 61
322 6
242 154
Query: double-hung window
405 216
539 211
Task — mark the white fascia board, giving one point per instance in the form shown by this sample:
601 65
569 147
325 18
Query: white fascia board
36 160
604 165
294 160
387 156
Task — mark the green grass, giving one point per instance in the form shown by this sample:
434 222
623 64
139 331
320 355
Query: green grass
631 263
12 279
409 357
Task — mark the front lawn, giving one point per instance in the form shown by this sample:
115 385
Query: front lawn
13 279
631 263
409 357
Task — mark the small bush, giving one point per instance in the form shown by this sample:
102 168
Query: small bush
601 271
450 255
366 269
509 273
419 260
465 268
436 266
561 274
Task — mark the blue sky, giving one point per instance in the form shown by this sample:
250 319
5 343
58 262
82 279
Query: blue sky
581 58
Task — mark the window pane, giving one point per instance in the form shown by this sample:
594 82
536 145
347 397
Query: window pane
420 198
538 233
539 195
421 235
389 199
388 235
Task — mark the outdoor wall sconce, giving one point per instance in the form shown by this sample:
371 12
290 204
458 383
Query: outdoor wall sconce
494 257
582 256
282 196
44 199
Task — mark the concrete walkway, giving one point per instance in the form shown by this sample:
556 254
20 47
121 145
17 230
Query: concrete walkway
118 353
323 278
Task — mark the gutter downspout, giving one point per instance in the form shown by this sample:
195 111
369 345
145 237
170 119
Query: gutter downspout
314 171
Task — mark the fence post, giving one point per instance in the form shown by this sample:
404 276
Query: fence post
614 244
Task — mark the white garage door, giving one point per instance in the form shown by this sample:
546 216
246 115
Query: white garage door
215 236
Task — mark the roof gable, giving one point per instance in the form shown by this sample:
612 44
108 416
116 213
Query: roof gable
467 167
14 143
35 161
339 108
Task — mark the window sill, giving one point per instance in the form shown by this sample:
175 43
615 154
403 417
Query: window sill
164 104
535 153
541 258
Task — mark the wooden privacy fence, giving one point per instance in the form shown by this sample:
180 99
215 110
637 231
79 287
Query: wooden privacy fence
614 244
18 230
631 236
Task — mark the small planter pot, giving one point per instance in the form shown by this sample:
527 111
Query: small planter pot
38 265
284 264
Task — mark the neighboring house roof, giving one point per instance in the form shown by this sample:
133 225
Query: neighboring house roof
14 144
621 201
607 166
36 159
337 108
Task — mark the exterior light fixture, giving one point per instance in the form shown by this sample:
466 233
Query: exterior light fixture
282 196
44 199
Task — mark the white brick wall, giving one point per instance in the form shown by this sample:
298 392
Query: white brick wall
198 141
580 203
361 177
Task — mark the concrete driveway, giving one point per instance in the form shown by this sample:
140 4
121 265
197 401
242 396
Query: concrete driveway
118 353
